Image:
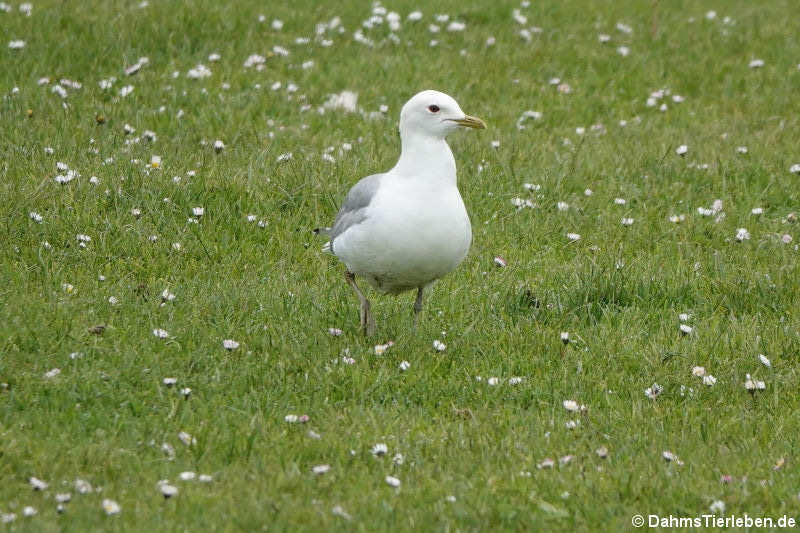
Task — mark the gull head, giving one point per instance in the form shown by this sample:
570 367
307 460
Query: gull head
434 114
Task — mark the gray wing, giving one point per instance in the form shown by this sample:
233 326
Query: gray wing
354 207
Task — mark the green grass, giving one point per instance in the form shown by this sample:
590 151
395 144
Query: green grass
618 291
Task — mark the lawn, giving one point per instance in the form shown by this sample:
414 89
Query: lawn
638 179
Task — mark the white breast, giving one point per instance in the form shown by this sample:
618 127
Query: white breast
416 231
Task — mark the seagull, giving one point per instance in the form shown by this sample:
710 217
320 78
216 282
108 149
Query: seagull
404 229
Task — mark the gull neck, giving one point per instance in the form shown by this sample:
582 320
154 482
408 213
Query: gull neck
427 157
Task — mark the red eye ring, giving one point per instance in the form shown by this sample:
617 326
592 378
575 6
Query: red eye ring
433 108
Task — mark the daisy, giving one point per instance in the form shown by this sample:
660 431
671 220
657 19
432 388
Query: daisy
167 490
380 449
671 458
392 481
37 484
320 469
742 234
654 391
111 507
186 438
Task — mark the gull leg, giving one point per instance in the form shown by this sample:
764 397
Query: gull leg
367 321
418 305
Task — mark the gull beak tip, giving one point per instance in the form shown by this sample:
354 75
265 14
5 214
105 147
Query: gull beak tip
471 122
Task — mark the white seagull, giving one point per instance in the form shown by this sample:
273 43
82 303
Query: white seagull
408 227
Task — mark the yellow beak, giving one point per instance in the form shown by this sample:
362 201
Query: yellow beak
470 122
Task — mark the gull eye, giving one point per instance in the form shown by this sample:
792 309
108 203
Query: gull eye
433 108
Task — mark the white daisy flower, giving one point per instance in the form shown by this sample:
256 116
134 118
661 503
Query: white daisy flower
439 346
392 481
764 361
187 476
380 349
671 457
571 405
37 484
742 234
186 438
82 486
380 449
320 469
161 333
654 391
546 463
709 380
753 385
199 72
698 371
230 344
167 490
682 150
111 507
404 365
685 329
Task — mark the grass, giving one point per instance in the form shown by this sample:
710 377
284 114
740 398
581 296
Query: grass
618 290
